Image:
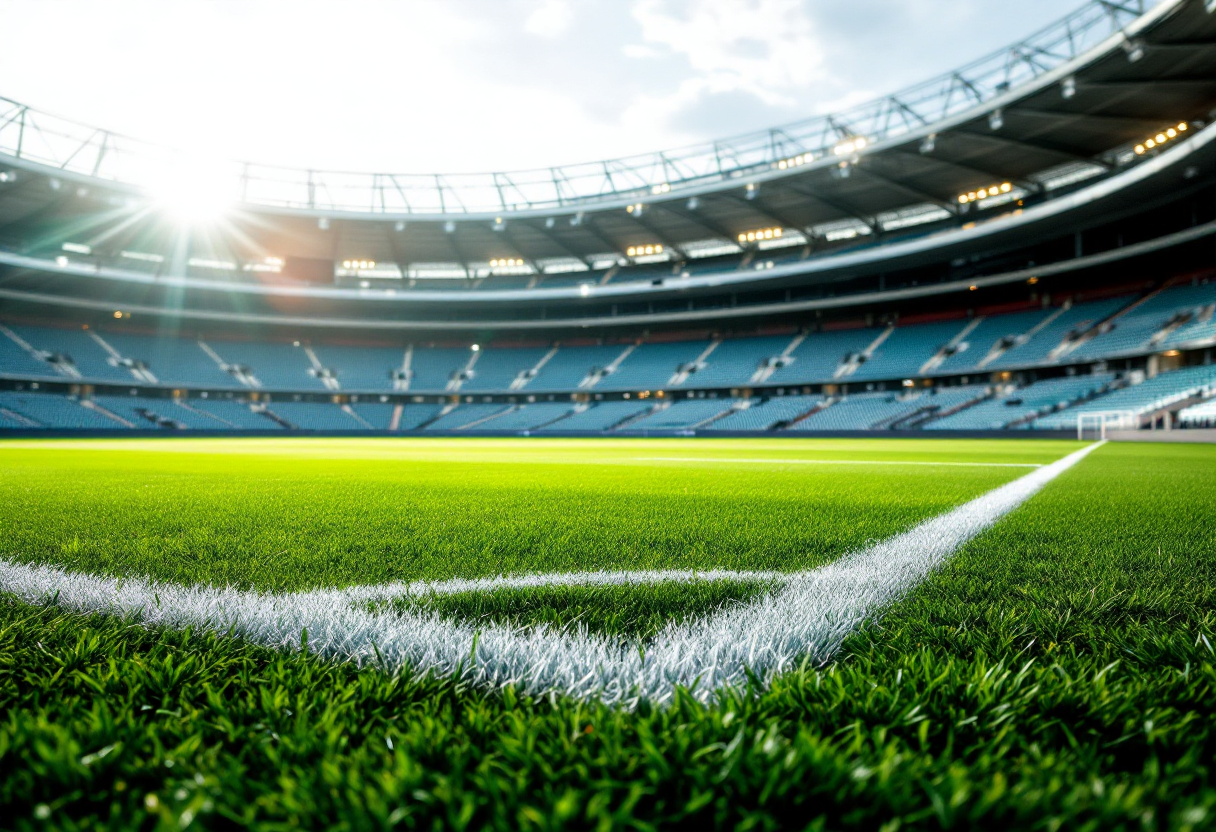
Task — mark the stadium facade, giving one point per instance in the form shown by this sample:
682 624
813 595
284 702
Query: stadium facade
1013 245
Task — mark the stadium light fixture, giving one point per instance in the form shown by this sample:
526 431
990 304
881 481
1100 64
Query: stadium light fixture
996 119
636 209
760 235
796 161
584 290
661 188
77 248
359 265
1068 87
643 251
1161 138
61 261
476 348
985 193
851 145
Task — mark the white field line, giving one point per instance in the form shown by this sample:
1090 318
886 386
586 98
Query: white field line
834 461
805 619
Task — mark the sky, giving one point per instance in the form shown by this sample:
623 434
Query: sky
420 86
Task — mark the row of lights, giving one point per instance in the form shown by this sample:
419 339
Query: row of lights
796 161
984 193
761 234
662 188
358 264
506 263
851 146
636 208
1161 138
642 251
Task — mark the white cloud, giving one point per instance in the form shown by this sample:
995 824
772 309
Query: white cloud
550 19
767 48
449 86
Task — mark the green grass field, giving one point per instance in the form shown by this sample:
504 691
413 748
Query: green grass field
1057 672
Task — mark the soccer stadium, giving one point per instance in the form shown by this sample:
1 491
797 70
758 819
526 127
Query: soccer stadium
853 473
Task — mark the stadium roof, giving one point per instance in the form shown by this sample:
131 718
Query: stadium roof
1064 108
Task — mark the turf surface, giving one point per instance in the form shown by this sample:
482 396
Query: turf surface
300 513
1058 673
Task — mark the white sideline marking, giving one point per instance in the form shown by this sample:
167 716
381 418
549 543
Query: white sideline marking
807 618
835 461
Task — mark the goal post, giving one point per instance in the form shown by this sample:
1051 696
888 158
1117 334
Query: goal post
1101 419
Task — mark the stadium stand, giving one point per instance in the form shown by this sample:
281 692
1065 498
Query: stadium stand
683 414
466 415
767 413
652 366
497 369
235 414
52 411
1202 415
1016 406
1147 396
1043 344
601 416
527 417
820 355
316 416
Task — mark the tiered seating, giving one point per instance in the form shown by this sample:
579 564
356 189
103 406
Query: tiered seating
736 360
1152 394
571 365
276 366
140 411
175 361
15 361
818 356
362 368
527 417
997 412
316 415
465 415
683 414
1202 415
601 416
984 337
861 411
414 416
651 366
88 356
377 414
54 411
1132 332
497 368
1036 350
1202 330
433 367
767 413
907 349
237 414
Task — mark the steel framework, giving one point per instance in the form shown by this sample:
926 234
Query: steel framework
43 139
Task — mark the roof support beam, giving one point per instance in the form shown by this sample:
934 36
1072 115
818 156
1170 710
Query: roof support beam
869 222
556 241
1042 147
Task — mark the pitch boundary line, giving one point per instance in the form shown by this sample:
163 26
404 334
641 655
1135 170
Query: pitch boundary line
806 619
